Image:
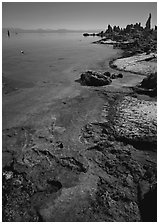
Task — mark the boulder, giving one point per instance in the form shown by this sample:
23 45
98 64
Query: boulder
116 76
113 76
107 74
148 86
86 34
120 75
150 82
91 78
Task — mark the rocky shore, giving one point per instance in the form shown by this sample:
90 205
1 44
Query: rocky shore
141 64
91 157
103 172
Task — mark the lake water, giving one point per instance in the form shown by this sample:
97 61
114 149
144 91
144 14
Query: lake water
47 70
47 54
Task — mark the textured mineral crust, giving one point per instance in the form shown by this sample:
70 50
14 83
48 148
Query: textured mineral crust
98 174
136 121
141 63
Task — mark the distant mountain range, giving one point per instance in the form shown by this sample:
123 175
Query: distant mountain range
19 30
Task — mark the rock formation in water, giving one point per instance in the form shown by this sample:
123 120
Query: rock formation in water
92 78
116 29
132 39
109 30
148 23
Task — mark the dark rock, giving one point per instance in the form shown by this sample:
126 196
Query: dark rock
107 74
113 76
148 23
86 34
60 145
148 86
148 214
150 82
109 30
54 185
90 34
92 78
101 34
116 29
120 75
137 38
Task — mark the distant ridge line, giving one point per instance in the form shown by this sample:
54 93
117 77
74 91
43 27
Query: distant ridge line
19 30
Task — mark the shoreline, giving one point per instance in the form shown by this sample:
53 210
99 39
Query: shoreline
68 161
119 64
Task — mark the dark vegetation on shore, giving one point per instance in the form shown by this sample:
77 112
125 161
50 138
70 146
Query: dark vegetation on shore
97 162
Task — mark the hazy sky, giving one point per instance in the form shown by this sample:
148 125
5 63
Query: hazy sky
76 15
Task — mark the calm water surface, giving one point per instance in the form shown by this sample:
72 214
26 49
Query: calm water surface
46 55
47 71
43 52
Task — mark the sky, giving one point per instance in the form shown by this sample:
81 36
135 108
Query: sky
76 15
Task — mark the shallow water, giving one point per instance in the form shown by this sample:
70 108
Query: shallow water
46 54
47 70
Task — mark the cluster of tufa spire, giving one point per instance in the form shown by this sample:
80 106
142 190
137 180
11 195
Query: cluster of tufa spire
131 27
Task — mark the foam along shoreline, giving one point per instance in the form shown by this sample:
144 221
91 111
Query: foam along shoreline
141 64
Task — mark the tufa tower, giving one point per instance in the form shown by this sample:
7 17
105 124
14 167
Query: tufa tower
148 23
